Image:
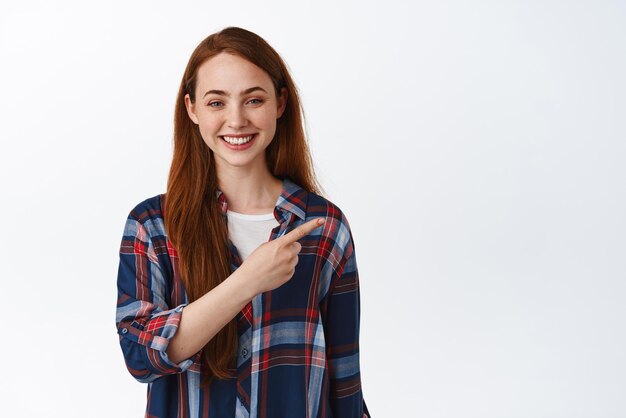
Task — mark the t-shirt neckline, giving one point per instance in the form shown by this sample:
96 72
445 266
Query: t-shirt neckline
250 217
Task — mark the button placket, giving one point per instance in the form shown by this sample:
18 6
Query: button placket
243 359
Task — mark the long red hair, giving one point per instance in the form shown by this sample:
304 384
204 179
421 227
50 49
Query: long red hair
193 221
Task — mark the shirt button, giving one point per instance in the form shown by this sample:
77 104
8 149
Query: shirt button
244 353
124 330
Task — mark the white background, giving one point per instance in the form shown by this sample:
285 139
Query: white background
477 148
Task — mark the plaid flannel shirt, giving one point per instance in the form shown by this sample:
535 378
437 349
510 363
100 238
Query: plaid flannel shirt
298 353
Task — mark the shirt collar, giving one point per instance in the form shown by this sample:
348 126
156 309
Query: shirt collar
293 198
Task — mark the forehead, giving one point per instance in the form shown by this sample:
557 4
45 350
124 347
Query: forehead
230 72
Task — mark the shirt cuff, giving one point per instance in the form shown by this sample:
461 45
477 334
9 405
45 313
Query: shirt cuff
154 335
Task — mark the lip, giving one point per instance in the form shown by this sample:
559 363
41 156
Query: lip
239 135
241 147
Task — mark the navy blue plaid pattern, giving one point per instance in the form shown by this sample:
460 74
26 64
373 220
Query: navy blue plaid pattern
298 344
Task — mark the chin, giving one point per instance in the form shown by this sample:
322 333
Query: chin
239 162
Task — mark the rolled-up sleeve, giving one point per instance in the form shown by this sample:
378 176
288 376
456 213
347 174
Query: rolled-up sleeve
145 322
341 329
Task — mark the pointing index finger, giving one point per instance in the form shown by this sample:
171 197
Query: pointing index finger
302 230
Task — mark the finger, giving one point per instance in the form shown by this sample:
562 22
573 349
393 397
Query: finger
296 246
302 230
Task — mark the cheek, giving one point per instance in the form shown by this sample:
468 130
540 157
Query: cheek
268 120
208 129
208 124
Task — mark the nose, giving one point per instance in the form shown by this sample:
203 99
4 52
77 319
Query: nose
237 117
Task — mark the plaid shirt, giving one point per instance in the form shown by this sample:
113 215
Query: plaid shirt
298 353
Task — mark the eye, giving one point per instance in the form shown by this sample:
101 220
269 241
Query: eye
255 101
215 104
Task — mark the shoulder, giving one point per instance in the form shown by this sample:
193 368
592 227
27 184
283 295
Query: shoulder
149 208
320 206
336 228
148 215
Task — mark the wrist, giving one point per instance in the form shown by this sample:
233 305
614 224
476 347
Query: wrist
245 287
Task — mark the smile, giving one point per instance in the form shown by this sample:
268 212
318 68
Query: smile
238 140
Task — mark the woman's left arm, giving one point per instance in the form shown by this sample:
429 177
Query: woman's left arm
341 307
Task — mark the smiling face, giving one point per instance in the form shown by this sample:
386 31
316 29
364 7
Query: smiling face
236 109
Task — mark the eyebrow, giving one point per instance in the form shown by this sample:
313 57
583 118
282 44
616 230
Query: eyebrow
223 93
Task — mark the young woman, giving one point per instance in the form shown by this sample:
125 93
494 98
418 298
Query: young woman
238 290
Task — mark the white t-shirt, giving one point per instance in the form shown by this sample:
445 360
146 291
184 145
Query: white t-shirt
247 232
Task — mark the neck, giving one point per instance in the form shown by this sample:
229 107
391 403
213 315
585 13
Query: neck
249 191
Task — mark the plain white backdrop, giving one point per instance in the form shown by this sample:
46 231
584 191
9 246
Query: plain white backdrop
477 148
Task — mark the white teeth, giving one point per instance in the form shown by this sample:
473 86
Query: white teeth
237 141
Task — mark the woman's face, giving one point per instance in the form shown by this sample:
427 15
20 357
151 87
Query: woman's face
236 110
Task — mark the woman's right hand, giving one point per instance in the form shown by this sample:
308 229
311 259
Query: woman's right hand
273 263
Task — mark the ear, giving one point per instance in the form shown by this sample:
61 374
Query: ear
191 109
282 102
